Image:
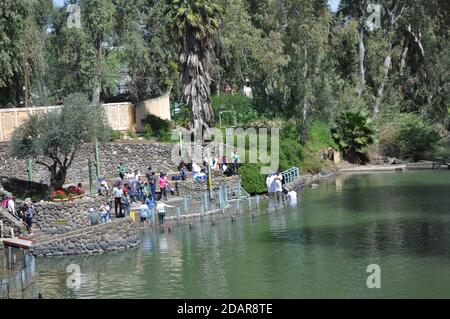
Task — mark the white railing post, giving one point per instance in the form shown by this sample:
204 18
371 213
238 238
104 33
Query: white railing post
1 229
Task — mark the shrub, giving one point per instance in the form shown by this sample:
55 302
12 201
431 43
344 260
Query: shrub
319 137
252 180
353 132
311 164
115 135
242 105
160 128
291 153
165 135
147 132
131 133
408 136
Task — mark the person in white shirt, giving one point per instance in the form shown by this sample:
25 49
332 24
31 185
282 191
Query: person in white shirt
291 196
11 205
161 209
269 181
277 185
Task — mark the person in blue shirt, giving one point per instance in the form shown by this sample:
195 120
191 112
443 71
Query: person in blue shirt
126 205
151 205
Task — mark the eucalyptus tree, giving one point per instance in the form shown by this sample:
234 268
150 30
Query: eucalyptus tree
97 20
12 29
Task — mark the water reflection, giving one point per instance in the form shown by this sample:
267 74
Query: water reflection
319 248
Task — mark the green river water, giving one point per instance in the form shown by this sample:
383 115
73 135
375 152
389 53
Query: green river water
319 248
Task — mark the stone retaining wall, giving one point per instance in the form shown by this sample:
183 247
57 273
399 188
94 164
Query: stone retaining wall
133 155
59 218
118 235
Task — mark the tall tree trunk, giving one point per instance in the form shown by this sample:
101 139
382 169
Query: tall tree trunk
196 86
417 39
380 91
98 71
403 58
361 53
57 176
305 101
304 120
393 17
361 47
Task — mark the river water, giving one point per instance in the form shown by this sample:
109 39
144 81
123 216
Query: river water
320 248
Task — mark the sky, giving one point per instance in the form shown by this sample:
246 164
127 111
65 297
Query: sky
333 3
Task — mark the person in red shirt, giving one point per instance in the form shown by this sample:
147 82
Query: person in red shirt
163 185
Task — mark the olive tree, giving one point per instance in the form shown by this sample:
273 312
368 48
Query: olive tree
53 138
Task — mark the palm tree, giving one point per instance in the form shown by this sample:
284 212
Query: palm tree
193 24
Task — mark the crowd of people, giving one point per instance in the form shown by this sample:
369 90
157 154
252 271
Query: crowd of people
132 188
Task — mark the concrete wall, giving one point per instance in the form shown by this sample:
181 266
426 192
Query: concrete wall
159 107
119 115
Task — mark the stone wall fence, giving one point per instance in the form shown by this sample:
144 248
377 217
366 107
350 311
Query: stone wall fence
59 218
117 235
132 155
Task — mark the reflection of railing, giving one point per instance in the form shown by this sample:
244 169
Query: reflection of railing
291 175
18 274
200 203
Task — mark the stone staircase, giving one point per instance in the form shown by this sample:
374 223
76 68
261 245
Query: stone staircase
13 222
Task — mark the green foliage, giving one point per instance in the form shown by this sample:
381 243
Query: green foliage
198 18
238 103
291 153
408 136
159 127
112 135
131 133
165 135
311 164
57 136
115 135
353 132
319 137
182 117
147 131
252 180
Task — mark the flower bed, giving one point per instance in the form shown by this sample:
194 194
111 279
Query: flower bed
64 195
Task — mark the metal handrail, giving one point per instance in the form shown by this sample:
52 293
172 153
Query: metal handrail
291 175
